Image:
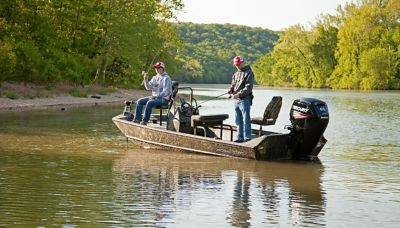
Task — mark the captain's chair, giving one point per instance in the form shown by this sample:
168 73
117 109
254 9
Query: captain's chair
270 114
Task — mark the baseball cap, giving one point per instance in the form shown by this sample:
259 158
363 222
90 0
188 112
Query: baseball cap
238 60
159 65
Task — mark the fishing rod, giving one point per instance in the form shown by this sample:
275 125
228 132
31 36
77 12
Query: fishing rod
151 63
148 68
213 98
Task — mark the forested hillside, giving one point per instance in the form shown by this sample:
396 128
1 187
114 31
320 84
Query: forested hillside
208 49
358 48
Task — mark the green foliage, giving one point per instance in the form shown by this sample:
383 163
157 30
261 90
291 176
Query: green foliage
208 49
8 60
105 42
356 49
263 71
293 60
377 68
11 95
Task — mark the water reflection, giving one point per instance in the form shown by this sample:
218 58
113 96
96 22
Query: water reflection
163 189
240 215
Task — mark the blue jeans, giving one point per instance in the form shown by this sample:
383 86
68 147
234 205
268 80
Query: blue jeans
145 101
242 118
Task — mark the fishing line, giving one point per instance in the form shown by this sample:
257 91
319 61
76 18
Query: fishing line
213 98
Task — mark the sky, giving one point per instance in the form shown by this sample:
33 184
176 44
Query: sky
269 14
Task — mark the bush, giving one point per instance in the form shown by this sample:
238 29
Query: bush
12 95
76 92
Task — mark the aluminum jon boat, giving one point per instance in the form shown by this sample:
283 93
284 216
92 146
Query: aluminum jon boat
184 129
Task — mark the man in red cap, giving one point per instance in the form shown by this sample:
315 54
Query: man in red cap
241 91
161 91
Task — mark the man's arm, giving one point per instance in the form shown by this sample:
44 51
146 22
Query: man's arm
248 87
148 84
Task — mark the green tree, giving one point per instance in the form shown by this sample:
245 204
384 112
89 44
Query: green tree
323 46
376 69
358 48
368 31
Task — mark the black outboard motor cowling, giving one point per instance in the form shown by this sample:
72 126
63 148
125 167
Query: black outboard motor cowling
309 118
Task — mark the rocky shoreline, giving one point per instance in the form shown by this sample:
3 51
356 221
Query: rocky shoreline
66 101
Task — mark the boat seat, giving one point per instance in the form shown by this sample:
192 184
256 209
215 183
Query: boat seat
270 114
171 101
209 121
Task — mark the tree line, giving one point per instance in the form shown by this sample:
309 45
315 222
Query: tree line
111 42
357 48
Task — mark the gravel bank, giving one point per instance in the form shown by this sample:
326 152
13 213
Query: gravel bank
66 101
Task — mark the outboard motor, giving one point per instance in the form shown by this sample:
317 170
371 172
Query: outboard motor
309 118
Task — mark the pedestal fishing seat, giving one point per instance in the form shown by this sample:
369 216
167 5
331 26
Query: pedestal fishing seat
270 114
170 103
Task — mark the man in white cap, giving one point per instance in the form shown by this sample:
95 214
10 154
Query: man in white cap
241 91
161 91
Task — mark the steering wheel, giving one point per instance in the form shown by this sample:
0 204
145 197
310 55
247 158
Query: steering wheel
186 109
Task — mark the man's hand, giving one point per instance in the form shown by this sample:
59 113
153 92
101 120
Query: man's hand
236 96
152 97
145 75
230 94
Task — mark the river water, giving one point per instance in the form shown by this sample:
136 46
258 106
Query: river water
74 168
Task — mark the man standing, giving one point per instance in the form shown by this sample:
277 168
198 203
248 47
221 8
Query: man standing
241 91
161 91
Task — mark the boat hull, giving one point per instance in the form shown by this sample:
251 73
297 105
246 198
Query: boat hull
267 147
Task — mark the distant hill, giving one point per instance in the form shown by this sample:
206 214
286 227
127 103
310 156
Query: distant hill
207 50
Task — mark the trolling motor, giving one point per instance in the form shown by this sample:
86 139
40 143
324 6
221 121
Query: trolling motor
127 110
309 118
